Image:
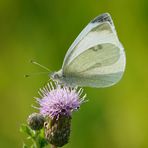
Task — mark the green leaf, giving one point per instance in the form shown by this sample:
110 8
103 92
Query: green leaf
37 137
33 146
25 146
40 138
26 129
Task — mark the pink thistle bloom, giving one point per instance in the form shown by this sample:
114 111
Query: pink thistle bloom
59 100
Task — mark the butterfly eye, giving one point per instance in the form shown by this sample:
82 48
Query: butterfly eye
56 76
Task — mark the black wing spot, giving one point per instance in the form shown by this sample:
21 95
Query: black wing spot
105 17
96 48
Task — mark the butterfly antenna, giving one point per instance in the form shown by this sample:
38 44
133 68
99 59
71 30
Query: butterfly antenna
34 62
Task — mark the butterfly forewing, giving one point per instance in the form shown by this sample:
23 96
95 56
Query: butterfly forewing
96 58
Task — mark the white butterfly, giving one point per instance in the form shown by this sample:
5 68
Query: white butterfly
96 58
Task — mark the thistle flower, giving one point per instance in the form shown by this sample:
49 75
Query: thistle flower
59 100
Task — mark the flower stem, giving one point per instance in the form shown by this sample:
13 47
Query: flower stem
53 146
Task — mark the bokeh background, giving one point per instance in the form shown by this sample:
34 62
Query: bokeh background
115 117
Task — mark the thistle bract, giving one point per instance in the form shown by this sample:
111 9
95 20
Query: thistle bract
58 132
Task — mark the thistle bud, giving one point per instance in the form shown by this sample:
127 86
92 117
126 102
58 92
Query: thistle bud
58 132
36 121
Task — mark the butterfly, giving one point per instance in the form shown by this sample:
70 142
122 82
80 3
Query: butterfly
96 58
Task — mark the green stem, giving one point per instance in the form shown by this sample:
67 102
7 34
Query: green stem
36 142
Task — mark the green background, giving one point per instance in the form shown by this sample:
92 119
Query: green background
114 117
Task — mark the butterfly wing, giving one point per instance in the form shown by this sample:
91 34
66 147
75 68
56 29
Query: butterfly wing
96 58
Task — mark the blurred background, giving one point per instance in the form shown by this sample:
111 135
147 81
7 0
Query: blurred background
114 117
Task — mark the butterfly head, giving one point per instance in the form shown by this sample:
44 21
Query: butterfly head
57 76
